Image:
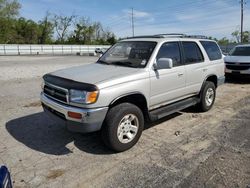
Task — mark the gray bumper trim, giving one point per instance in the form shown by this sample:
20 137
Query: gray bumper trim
92 118
220 80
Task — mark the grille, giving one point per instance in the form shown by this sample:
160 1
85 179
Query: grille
238 67
55 93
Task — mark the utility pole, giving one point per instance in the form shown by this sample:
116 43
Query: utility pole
132 19
241 25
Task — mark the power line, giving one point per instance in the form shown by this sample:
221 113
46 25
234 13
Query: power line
213 13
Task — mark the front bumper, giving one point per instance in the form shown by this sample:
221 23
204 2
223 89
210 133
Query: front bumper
229 71
91 121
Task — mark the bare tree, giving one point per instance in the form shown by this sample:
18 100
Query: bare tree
236 34
62 24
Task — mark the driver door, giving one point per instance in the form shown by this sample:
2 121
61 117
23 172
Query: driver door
167 85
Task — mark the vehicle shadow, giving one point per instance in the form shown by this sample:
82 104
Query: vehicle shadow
39 133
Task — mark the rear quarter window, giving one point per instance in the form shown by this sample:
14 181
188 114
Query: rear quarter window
212 49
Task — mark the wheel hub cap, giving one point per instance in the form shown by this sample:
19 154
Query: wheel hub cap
127 128
209 97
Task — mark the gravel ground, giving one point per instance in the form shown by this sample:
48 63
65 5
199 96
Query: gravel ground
186 149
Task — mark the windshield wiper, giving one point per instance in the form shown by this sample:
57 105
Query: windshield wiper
123 63
103 62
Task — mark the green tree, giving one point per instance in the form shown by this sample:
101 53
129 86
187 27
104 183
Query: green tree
85 32
246 36
14 29
111 40
27 31
223 41
237 36
7 31
9 8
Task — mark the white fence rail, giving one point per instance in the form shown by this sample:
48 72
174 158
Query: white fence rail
15 49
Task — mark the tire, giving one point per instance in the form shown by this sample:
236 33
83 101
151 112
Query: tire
207 96
121 120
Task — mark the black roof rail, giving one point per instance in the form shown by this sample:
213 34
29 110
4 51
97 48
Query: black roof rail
144 36
169 35
196 36
165 35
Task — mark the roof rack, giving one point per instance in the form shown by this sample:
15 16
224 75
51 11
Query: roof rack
144 36
196 36
170 35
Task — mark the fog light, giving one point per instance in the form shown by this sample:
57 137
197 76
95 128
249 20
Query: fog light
75 115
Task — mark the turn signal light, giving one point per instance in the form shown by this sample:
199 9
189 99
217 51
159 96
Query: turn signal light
92 97
75 115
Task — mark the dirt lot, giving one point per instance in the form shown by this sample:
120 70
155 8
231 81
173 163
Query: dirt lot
186 149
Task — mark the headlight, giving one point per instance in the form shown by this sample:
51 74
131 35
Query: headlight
83 97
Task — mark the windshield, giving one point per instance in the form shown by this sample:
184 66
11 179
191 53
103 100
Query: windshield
240 51
129 53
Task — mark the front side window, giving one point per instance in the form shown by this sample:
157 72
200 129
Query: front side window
129 53
192 53
212 50
170 50
240 51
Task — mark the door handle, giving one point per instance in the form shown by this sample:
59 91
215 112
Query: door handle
180 74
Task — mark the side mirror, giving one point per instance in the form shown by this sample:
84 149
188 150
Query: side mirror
163 63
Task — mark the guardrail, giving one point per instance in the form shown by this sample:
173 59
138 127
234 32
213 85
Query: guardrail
24 49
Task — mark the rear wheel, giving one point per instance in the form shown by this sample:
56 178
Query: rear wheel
207 96
123 127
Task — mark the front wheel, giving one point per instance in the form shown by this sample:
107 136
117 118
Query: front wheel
207 96
123 127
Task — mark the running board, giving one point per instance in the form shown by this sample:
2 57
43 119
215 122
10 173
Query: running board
172 108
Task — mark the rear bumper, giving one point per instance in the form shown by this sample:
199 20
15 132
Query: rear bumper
91 120
220 80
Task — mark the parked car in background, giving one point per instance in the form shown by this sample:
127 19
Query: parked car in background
100 50
5 179
238 61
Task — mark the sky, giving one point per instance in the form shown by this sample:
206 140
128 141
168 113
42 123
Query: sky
216 18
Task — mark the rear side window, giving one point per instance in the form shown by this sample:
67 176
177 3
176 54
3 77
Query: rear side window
212 50
192 53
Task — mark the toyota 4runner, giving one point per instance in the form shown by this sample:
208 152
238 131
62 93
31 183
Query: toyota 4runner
137 79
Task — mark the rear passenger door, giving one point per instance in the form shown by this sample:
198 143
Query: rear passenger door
195 65
167 85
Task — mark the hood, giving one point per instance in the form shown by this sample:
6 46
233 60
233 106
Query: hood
237 59
94 73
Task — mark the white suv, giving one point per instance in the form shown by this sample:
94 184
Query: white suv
238 61
137 79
